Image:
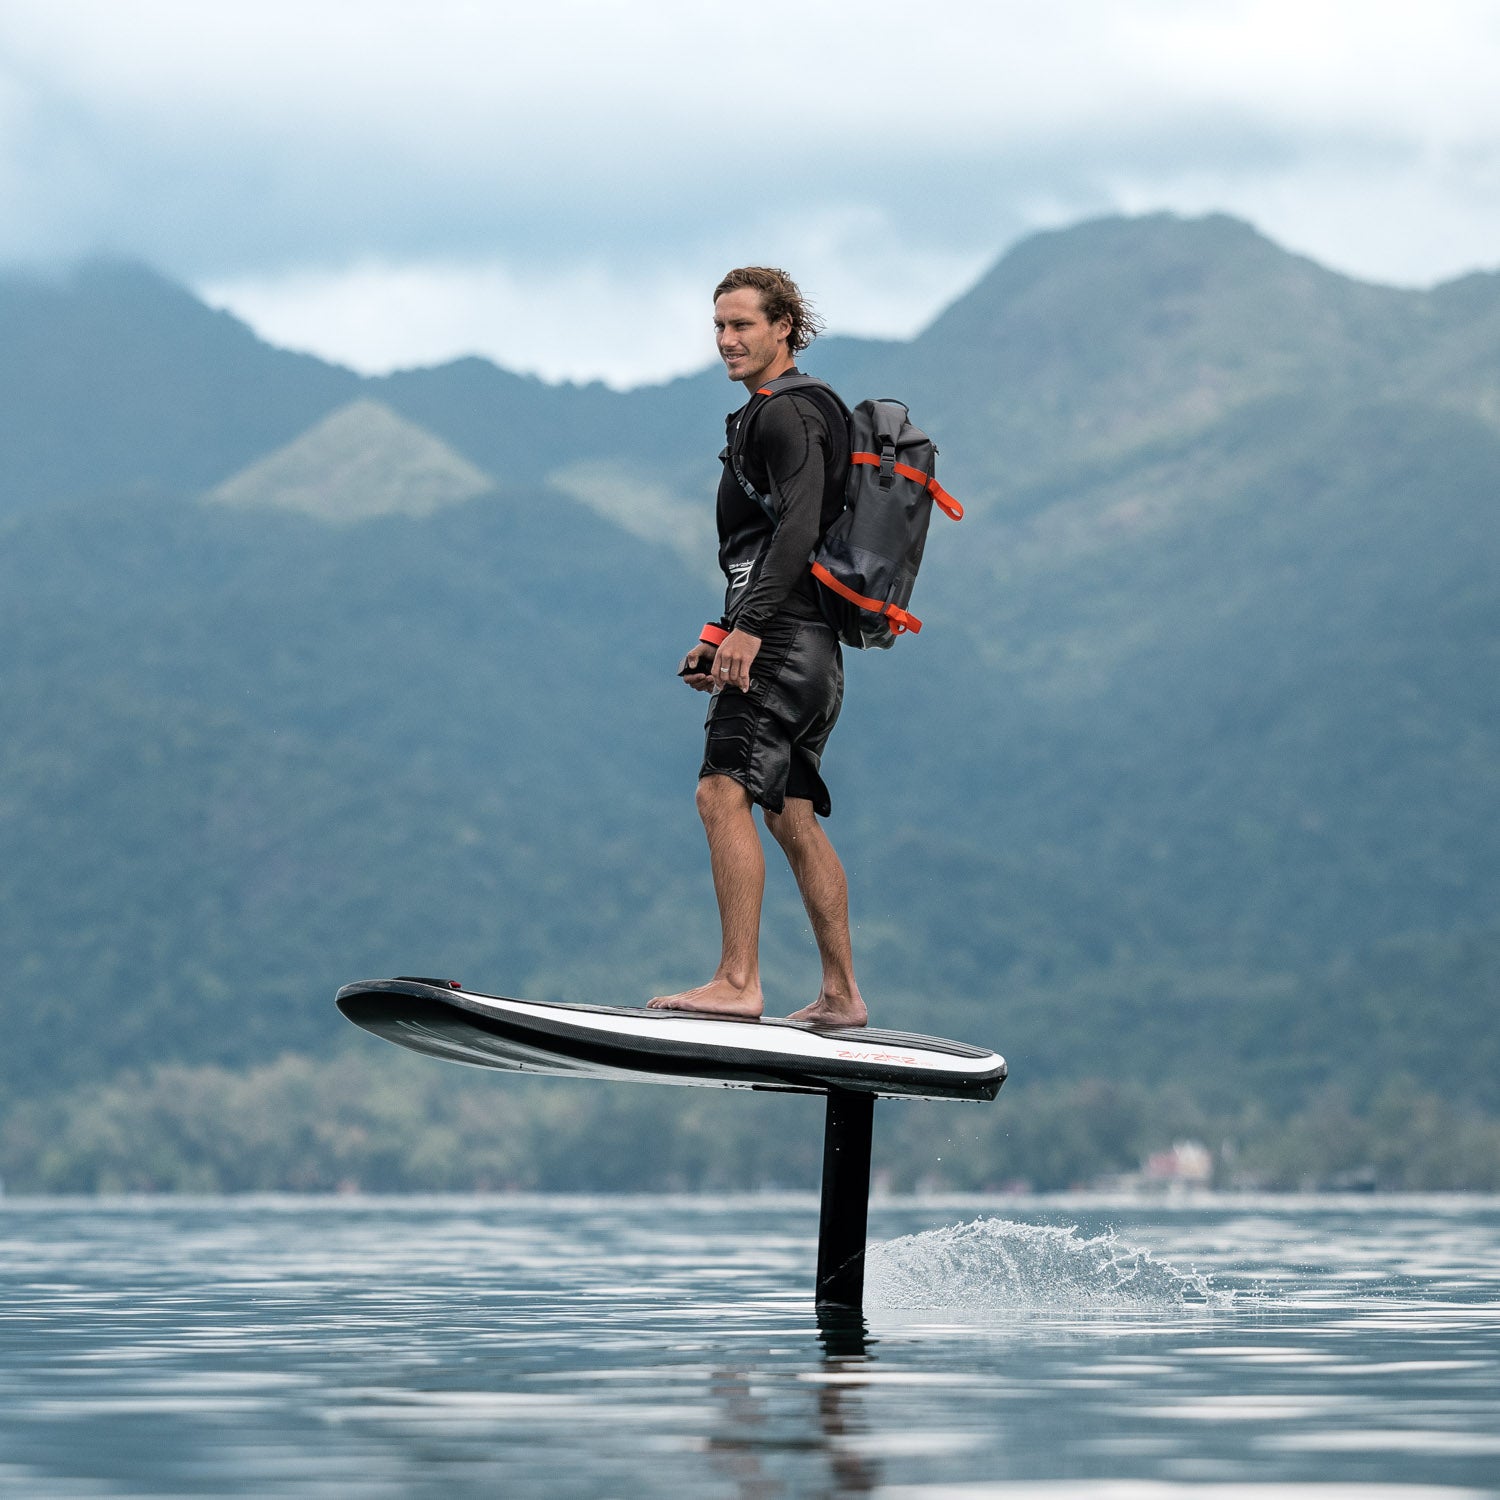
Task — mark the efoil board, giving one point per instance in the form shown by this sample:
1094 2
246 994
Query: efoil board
662 1046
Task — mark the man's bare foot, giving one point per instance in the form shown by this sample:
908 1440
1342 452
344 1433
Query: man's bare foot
716 998
828 1010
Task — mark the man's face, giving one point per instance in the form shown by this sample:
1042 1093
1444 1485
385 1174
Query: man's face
749 344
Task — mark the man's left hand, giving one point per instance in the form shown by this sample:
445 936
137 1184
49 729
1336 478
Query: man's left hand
732 660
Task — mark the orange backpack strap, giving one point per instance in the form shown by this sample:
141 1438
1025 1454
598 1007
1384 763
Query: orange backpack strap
900 620
944 501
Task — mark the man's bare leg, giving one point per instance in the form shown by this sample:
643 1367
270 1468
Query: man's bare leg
739 870
825 893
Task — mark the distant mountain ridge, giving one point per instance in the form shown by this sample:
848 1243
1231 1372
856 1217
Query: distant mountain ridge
113 380
1078 347
1190 777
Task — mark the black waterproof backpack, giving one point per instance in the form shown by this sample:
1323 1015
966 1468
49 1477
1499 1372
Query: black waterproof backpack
868 559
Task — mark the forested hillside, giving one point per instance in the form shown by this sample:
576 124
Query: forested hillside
1184 799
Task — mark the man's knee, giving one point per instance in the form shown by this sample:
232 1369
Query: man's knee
719 797
791 826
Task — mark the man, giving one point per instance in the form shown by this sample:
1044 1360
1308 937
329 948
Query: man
773 664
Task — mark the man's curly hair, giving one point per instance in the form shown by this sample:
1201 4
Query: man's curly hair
780 298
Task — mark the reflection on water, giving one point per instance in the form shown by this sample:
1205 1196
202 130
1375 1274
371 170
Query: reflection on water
635 1346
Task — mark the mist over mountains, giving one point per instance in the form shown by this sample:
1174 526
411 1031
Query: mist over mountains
1191 778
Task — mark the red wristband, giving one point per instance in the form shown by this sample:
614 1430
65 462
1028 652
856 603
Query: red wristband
712 635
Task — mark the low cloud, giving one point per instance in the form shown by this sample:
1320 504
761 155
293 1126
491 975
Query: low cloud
577 323
623 324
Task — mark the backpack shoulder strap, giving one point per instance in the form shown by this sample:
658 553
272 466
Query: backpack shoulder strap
822 393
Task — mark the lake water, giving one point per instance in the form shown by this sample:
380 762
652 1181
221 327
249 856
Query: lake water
1034 1348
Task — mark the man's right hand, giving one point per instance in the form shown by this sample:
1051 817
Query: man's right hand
697 668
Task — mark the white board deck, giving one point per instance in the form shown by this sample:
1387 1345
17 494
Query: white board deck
660 1046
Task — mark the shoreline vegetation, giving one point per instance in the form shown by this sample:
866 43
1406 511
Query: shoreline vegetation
357 1124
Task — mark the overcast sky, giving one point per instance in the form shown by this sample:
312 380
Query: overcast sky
558 185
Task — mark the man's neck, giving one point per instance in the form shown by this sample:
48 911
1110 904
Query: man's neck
773 371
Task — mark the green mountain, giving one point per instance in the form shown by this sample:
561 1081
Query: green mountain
114 381
1188 786
361 462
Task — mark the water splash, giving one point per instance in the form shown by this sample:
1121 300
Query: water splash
1001 1266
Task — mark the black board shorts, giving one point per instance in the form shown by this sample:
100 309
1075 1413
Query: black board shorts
771 739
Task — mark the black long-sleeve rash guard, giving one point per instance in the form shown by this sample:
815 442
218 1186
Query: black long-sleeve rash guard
788 453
